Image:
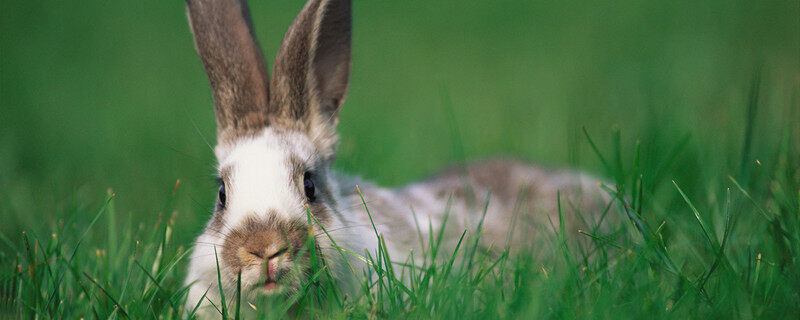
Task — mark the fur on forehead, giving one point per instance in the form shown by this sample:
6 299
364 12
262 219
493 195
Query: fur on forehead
267 140
320 139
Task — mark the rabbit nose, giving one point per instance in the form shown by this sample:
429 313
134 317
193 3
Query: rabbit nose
265 244
269 255
261 244
268 258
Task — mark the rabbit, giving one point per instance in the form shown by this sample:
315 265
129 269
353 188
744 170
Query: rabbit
276 144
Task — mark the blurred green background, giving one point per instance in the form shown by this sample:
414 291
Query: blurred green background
98 95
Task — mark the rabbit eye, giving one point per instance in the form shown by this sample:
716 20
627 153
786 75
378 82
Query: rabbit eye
308 186
221 195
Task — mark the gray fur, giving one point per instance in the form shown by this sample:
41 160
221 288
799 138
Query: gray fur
523 202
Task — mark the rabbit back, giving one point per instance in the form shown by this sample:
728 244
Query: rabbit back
513 202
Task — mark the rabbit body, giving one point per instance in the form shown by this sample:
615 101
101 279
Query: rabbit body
508 198
276 141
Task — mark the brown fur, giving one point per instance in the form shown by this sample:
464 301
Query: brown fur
234 64
255 240
312 67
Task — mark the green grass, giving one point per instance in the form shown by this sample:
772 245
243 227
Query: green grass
689 109
733 257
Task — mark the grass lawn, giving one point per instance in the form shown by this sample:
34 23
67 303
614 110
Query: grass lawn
689 110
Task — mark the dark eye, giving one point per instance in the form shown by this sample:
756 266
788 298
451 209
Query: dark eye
308 186
222 195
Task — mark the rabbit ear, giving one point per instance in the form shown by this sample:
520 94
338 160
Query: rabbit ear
224 38
311 72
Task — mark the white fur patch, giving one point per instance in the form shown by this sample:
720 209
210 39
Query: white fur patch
260 179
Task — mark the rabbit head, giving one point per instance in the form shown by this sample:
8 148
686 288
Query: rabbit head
275 143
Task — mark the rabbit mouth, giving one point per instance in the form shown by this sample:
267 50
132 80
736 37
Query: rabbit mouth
269 286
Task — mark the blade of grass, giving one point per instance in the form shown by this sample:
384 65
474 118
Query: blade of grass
199 302
222 303
238 295
703 226
117 306
75 251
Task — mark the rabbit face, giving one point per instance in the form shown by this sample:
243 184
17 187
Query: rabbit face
276 140
269 184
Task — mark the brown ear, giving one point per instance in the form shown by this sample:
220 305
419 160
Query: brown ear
311 72
224 38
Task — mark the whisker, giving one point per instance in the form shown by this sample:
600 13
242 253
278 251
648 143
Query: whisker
226 225
220 230
210 244
348 227
216 234
359 204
